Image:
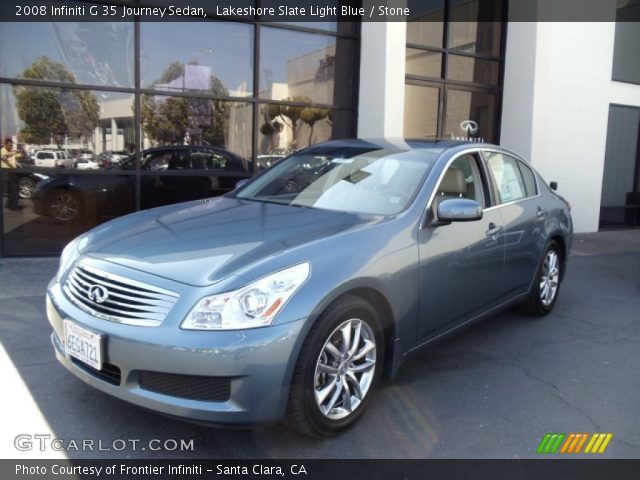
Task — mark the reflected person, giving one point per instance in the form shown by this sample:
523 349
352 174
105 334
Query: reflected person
8 157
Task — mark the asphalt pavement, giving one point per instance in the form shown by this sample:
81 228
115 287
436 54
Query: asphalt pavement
493 391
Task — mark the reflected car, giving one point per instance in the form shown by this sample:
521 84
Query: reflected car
265 161
85 155
91 198
109 157
52 159
274 302
86 164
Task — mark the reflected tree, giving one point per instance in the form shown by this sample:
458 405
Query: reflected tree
53 113
291 115
312 115
175 120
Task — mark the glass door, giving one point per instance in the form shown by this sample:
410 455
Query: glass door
620 202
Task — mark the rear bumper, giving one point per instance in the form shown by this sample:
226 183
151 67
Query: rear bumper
256 365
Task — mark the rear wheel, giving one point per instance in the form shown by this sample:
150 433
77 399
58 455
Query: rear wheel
338 369
547 283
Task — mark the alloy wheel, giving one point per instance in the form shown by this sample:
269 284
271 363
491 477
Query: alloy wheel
549 278
345 369
25 188
64 207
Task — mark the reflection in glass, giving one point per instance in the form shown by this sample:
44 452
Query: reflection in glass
421 111
323 12
302 67
197 121
341 27
479 107
62 207
620 201
468 69
351 179
286 128
213 57
66 128
480 37
424 63
163 189
426 24
626 61
92 53
186 159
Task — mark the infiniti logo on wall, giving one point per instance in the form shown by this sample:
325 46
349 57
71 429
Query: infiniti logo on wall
469 126
98 293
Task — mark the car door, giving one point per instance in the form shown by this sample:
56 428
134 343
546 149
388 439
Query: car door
523 213
461 262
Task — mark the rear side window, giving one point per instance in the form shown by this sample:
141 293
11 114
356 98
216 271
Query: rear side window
506 177
528 178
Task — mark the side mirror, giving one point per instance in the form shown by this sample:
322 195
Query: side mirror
241 183
459 210
553 186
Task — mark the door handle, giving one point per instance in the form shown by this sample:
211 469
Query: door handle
494 230
541 212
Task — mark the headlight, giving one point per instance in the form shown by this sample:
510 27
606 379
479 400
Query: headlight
254 305
69 255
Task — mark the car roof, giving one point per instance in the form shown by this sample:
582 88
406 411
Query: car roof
436 146
189 147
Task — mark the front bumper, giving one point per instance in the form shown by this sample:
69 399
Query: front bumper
257 363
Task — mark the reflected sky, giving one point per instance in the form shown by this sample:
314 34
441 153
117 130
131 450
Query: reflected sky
97 53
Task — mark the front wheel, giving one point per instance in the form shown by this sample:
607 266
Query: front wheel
65 206
25 187
338 369
547 282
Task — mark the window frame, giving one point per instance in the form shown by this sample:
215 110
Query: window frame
522 165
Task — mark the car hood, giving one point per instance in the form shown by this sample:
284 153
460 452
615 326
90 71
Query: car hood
200 243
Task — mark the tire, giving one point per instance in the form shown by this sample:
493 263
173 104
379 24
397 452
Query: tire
25 187
326 369
66 206
546 286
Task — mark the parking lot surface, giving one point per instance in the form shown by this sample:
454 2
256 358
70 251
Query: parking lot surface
493 391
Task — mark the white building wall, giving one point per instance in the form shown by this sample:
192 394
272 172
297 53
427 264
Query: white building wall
382 72
557 92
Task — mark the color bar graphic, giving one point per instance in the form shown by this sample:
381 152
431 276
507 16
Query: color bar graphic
598 443
550 442
573 442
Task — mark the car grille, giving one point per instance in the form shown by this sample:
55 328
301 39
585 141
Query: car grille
193 387
117 299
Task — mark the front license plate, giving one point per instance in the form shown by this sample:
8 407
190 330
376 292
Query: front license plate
83 344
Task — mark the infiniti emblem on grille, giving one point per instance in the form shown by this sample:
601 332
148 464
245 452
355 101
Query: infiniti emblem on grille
98 293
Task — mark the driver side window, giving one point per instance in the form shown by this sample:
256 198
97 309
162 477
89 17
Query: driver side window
462 179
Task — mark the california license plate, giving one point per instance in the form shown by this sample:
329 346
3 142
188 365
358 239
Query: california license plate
83 344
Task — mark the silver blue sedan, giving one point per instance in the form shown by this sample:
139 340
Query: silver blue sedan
292 296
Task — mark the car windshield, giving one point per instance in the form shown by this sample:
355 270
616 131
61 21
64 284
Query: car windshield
360 180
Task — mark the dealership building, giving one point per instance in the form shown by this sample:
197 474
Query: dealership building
564 95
